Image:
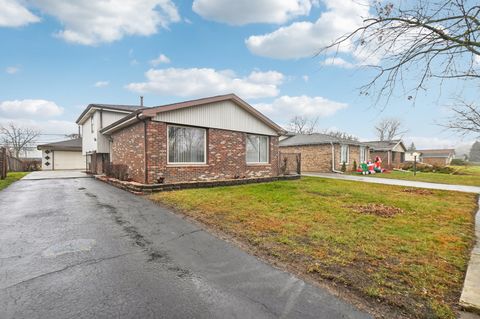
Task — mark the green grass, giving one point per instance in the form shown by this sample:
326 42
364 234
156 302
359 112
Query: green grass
11 177
465 175
413 262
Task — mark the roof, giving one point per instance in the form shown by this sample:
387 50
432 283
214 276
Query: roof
385 145
150 112
68 145
315 139
437 152
112 107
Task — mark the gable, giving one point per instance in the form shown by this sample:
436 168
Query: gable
225 115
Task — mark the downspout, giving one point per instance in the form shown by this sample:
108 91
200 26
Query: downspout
145 168
333 160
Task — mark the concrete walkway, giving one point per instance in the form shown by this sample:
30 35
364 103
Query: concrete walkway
398 182
470 298
57 174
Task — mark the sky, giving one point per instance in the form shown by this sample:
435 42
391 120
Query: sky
59 56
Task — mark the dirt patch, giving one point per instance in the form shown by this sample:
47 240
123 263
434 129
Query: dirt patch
376 209
417 191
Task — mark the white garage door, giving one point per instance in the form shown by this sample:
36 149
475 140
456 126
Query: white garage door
57 160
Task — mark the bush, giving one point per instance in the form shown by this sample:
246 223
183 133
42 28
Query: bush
344 167
118 171
425 168
354 165
457 161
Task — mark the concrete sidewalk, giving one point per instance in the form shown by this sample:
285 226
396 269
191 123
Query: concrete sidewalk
57 174
470 298
398 182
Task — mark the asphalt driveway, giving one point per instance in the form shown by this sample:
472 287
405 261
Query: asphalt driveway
78 248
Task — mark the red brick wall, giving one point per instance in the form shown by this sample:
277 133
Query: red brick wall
127 148
226 156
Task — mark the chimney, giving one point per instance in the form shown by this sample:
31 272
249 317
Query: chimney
141 101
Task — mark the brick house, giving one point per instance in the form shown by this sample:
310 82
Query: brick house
324 153
391 152
437 157
214 138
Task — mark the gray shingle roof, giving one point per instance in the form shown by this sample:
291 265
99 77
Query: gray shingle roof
437 152
68 145
315 139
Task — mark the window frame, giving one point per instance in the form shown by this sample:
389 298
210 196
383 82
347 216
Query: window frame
347 154
91 124
258 139
204 146
363 149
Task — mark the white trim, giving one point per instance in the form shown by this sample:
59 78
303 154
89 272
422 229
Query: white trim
268 150
348 154
188 163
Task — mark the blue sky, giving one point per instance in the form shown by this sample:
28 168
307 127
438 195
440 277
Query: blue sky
59 56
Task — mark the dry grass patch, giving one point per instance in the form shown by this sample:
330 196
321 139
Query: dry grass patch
412 263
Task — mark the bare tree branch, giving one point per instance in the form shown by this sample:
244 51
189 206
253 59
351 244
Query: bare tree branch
389 129
17 138
303 125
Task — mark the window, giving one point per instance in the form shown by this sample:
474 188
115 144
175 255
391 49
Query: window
257 149
363 154
186 145
91 123
344 154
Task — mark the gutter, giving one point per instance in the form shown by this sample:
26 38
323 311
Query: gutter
333 160
145 168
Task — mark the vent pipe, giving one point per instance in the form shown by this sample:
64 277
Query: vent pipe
141 101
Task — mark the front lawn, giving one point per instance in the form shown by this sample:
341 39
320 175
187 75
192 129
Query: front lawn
469 175
11 177
400 248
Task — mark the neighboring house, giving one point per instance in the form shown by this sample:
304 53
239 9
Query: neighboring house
325 153
213 138
438 157
411 156
62 155
96 146
392 152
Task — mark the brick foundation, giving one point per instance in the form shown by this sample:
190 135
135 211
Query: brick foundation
226 156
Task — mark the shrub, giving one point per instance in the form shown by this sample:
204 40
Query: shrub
118 171
354 165
344 167
457 161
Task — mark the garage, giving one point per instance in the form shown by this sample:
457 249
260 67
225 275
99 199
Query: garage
62 155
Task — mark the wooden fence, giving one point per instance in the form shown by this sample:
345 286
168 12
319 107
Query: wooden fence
3 162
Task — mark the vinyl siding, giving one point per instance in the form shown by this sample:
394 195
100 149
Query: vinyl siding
221 115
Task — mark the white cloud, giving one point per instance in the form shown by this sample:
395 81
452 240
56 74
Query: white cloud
336 61
197 82
94 22
12 70
240 12
14 14
304 39
44 126
286 107
101 84
29 109
162 58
